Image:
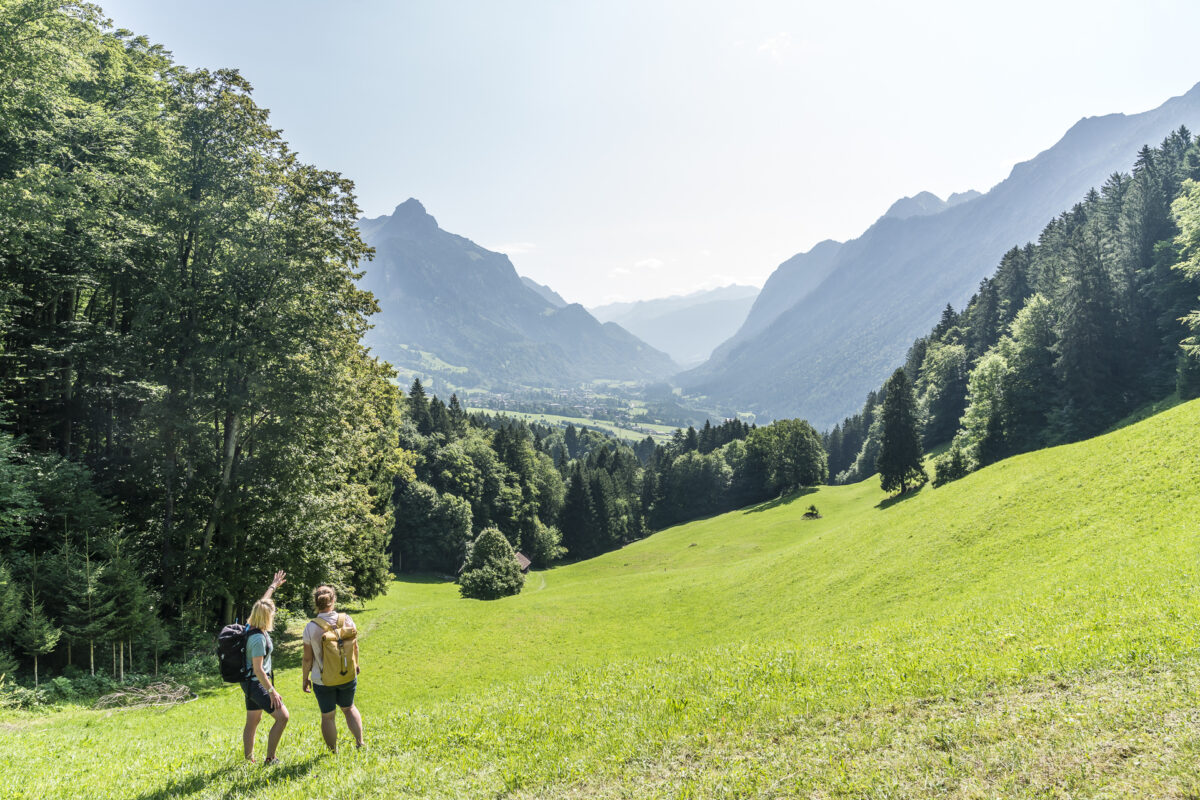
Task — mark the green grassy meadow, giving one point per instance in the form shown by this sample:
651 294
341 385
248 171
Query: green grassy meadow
1028 631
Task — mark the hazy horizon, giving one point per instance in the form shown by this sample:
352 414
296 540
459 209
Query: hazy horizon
632 151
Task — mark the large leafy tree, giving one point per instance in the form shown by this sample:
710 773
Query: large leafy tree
179 339
1186 211
792 453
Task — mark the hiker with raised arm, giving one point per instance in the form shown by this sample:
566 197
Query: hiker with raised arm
259 684
330 667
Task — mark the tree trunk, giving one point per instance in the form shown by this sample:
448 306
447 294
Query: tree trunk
168 532
233 425
35 670
92 655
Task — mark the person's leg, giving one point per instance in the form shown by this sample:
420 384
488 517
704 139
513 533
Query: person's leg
329 730
281 720
252 718
354 723
327 702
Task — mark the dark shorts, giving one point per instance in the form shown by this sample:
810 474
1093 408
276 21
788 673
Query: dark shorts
330 696
257 698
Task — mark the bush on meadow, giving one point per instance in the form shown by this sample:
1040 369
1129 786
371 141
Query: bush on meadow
491 570
545 545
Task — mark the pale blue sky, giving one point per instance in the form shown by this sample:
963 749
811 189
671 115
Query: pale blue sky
629 149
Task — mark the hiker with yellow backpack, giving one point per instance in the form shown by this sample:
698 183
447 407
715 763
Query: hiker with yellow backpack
330 666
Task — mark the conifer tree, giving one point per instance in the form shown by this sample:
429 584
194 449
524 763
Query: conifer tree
571 439
1087 346
899 462
39 635
439 417
89 612
418 408
580 534
946 324
458 417
10 597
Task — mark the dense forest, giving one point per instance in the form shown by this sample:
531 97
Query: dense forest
185 406
555 492
1069 335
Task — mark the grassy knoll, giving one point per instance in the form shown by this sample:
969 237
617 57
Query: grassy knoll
1028 631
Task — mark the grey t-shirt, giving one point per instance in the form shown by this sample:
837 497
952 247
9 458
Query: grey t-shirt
312 638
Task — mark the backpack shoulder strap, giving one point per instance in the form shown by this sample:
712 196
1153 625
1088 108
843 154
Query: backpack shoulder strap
323 625
341 621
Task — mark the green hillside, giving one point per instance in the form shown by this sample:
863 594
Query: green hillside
1028 631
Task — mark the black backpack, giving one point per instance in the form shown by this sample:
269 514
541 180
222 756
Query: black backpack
231 652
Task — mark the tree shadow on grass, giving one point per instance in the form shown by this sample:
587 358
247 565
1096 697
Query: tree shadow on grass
423 577
256 777
782 500
888 502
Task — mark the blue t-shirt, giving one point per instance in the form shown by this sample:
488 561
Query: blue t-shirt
258 644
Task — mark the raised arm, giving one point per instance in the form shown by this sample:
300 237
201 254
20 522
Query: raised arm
276 582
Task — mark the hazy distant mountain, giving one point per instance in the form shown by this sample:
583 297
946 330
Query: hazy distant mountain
926 203
816 350
452 308
546 292
685 327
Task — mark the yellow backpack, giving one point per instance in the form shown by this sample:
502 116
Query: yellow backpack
339 661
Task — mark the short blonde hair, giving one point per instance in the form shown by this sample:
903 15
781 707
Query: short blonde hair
262 616
324 597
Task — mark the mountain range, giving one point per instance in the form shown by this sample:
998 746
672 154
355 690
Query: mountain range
455 310
685 327
831 323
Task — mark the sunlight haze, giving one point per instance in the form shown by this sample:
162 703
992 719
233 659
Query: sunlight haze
621 150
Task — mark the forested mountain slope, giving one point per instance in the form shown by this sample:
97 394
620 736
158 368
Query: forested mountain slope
445 296
1068 336
819 357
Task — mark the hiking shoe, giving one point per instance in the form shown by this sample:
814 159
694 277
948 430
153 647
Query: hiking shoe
270 762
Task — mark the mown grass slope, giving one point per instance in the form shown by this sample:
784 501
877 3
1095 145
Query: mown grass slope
1027 631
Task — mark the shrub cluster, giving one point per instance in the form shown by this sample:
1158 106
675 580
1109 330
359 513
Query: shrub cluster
492 570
